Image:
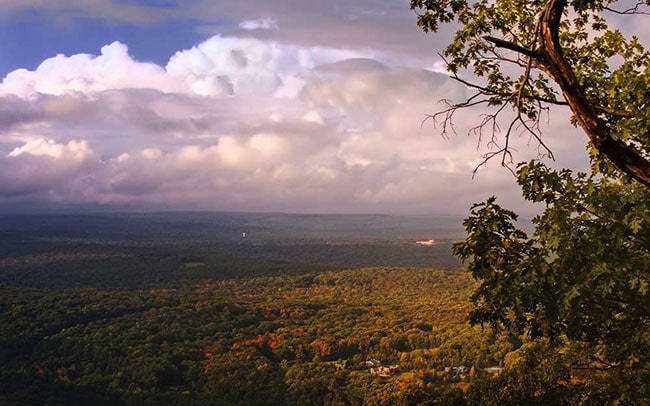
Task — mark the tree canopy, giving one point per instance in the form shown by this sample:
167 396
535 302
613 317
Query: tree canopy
533 54
576 289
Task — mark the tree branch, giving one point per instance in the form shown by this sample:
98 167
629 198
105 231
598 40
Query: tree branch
623 156
492 92
501 43
630 11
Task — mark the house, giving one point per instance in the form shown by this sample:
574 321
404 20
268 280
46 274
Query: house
377 369
383 371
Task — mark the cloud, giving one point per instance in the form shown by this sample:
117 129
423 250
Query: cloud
74 150
261 24
44 168
112 69
252 66
239 124
218 67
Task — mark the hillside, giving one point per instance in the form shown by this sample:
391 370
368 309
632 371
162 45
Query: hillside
126 308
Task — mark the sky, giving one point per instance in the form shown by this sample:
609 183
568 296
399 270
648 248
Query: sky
255 105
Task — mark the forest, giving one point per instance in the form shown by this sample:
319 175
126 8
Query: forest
102 313
129 319
223 308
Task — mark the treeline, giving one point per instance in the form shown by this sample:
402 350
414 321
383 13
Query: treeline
331 240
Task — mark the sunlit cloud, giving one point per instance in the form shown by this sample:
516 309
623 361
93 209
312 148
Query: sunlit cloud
239 124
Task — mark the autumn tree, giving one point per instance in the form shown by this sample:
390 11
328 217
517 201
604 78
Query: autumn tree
582 279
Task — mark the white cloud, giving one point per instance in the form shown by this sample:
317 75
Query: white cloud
251 66
218 67
75 150
112 69
238 124
439 67
261 24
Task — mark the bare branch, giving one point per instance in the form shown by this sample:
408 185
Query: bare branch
493 92
522 86
630 11
449 112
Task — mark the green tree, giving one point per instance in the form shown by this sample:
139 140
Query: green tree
582 279
531 54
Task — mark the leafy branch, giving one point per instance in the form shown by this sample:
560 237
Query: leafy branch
556 44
